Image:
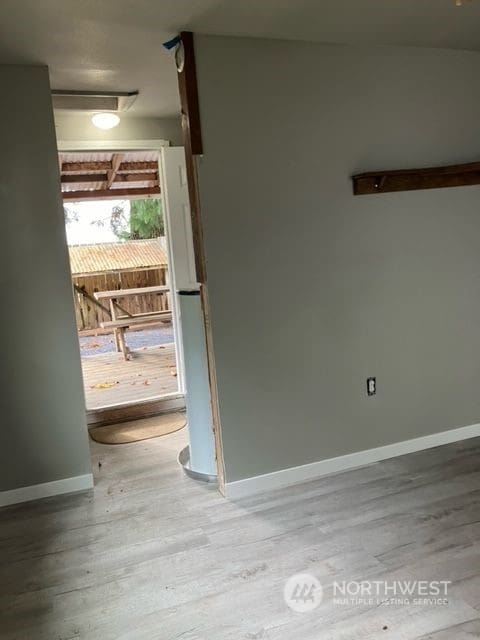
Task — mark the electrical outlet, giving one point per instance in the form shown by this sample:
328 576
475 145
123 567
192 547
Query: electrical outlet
371 386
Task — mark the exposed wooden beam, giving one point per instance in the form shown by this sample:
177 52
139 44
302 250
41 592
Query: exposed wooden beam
139 166
76 167
111 194
84 177
137 177
116 161
102 177
459 175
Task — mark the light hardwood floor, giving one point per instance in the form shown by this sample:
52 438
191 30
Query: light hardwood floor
153 555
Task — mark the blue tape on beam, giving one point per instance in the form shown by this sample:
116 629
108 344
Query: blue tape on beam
172 43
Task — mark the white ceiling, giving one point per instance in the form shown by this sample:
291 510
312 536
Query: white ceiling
117 44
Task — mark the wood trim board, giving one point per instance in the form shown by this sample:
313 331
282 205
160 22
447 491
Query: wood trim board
295 475
192 138
459 175
188 88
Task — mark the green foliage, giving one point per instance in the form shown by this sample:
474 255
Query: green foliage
146 220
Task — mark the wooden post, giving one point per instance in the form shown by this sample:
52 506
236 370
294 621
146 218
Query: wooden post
113 315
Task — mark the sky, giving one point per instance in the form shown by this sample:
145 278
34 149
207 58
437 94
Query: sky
84 230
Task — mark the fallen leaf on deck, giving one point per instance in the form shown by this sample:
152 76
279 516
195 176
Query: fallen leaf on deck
91 345
174 373
104 385
146 382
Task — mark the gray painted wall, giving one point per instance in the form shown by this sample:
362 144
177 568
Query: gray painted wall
312 289
44 434
80 127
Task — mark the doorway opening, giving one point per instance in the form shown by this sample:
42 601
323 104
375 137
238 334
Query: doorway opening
124 299
194 446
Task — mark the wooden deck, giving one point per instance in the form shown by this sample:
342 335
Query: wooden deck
109 380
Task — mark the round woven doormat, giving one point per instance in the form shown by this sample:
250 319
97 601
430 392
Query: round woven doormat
125 432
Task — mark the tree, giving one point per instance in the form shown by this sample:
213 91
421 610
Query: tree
146 220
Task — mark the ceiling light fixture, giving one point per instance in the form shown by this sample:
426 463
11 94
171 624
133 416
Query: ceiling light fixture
460 3
105 120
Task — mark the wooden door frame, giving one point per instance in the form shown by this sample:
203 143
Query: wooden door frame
192 140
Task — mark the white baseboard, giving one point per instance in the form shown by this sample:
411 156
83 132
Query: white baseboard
46 489
295 475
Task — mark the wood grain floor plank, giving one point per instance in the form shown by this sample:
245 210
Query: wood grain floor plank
151 554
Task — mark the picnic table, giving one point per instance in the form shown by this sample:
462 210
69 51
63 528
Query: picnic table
121 319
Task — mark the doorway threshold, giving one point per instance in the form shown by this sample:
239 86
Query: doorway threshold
128 411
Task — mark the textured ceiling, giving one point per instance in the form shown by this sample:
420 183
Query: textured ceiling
117 44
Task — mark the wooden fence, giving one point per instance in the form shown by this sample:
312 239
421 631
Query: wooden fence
89 315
